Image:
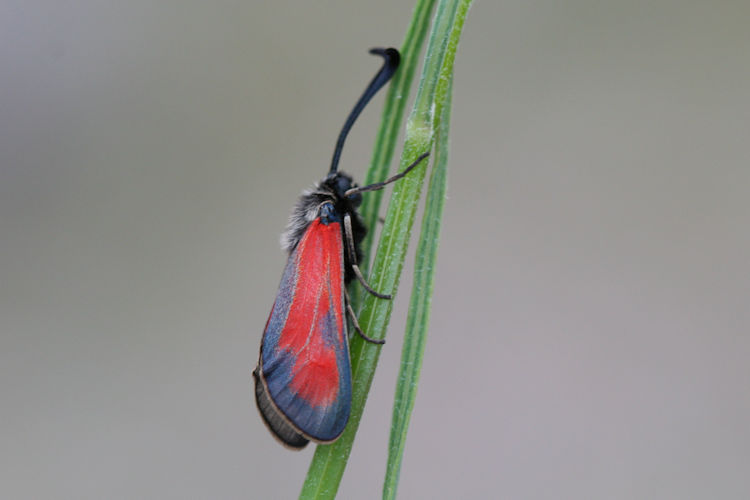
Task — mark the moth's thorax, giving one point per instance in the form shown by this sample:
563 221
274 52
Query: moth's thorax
327 200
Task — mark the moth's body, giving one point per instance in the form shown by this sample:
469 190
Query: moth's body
310 375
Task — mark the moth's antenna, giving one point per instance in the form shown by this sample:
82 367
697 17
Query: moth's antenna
392 60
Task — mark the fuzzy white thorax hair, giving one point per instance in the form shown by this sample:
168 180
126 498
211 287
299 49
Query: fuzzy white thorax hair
304 212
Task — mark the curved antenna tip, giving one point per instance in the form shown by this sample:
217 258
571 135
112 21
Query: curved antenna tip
390 54
390 65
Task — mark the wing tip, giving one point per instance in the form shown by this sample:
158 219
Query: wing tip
279 426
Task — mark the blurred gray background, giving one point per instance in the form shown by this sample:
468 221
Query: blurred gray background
589 333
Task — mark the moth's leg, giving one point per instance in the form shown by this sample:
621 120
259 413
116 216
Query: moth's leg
356 323
353 258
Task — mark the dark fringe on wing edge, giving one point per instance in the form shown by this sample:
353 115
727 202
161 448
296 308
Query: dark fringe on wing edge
275 422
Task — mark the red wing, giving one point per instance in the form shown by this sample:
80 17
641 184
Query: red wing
305 354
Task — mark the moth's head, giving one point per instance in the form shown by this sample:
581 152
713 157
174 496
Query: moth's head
339 183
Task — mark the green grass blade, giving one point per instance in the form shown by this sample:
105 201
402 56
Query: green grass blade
419 312
419 307
328 464
329 461
425 262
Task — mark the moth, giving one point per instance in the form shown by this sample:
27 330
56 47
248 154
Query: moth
303 381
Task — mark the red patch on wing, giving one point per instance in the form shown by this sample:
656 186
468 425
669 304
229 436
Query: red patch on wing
314 328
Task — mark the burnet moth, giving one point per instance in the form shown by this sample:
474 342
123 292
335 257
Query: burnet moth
303 381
